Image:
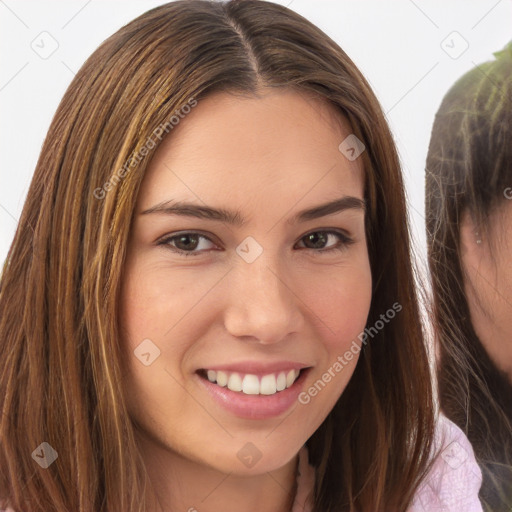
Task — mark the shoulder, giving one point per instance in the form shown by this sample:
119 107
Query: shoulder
4 507
454 479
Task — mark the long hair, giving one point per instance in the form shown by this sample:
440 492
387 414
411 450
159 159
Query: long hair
469 167
61 371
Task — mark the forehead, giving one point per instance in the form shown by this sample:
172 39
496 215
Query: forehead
281 146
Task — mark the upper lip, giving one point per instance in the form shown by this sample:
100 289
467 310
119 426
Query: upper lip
257 368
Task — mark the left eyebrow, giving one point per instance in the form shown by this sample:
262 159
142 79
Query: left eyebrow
235 217
330 208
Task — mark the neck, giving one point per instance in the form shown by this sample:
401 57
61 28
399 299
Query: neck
497 343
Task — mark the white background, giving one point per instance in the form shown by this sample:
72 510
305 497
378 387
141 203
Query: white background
397 44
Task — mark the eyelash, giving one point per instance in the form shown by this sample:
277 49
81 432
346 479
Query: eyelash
345 241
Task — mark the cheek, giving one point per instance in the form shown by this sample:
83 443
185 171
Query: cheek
153 310
156 301
341 303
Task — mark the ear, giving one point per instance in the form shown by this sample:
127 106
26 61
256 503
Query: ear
472 241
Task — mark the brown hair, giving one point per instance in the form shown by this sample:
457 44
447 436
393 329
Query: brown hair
469 166
61 375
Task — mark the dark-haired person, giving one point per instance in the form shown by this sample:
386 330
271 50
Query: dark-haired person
209 303
469 231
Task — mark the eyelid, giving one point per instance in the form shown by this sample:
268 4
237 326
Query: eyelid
345 239
329 230
164 240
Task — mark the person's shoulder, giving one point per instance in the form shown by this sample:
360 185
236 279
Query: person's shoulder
454 479
4 506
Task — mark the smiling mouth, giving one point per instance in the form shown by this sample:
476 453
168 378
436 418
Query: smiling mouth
251 384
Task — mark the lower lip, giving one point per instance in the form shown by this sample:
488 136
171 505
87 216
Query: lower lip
255 407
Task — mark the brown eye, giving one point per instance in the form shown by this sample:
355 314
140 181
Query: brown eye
187 243
318 240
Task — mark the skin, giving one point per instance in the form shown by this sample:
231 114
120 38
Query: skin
268 157
488 282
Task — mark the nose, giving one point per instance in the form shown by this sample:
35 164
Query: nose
262 305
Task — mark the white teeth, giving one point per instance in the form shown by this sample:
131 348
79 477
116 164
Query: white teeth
235 382
281 381
222 379
290 378
251 385
268 384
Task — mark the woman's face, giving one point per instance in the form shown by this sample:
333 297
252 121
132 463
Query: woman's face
488 282
240 282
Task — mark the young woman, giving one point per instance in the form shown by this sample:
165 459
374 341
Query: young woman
209 303
469 228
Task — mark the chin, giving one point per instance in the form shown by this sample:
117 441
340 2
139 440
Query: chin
250 458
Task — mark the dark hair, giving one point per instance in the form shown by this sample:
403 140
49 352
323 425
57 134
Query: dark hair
469 167
60 374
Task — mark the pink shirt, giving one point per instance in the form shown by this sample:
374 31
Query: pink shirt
451 485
